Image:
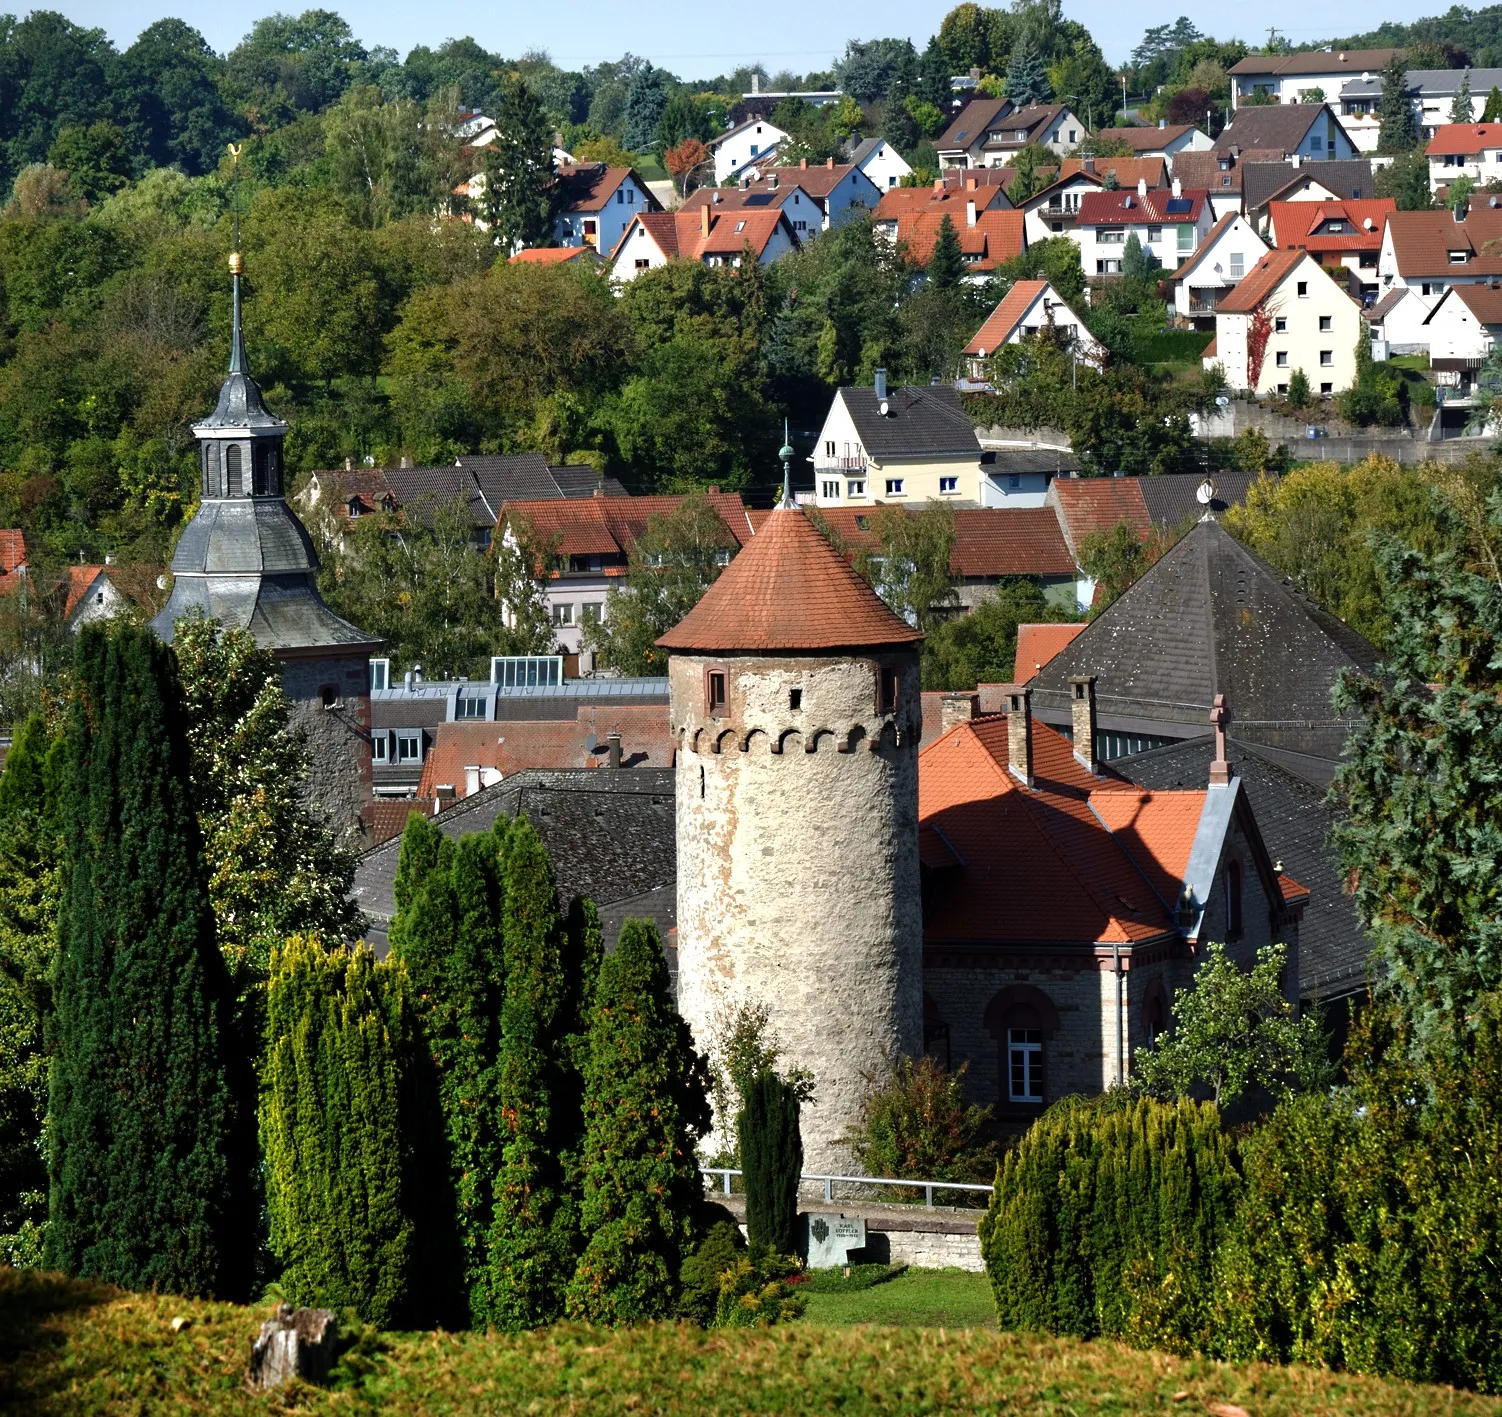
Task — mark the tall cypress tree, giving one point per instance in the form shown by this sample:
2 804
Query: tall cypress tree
520 184
1397 132
772 1153
148 1176
646 1105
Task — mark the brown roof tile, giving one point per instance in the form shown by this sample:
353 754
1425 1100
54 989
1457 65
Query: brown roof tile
1297 223
12 551
1148 139
996 238
1036 645
788 590
1260 282
1422 242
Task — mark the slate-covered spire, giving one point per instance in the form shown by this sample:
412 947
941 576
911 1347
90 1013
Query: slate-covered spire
237 362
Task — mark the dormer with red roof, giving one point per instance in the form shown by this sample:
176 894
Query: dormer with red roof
1338 234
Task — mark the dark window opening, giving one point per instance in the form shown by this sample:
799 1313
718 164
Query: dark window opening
715 691
1156 1018
329 694
211 486
936 1043
1233 900
795 699
886 693
232 481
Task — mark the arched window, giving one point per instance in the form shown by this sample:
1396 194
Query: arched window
233 485
211 470
261 472
1155 1016
1022 1019
1233 900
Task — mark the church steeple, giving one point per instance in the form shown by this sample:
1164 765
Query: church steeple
237 362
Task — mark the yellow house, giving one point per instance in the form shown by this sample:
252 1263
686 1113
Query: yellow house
908 444
1286 314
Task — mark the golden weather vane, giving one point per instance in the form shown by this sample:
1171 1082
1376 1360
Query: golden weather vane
236 261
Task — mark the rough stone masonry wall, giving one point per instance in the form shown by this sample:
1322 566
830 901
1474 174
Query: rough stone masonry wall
340 777
798 868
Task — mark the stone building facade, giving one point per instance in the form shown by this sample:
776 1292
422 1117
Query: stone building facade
794 701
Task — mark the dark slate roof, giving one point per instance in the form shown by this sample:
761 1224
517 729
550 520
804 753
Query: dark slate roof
1271 127
240 406
1172 498
1051 460
1346 177
611 835
484 482
1212 618
1295 818
582 482
923 420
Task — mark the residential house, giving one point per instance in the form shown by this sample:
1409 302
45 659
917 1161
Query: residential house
815 198
1230 249
881 162
990 236
744 147
1030 308
903 444
1463 329
1309 131
12 558
1431 91
1428 252
1216 173
1345 237
988 132
1167 140
1064 906
1471 150
712 237
1303 319
1169 223
586 256
94 595
1307 77
1266 181
588 543
1037 644
1395 325
907 206
596 204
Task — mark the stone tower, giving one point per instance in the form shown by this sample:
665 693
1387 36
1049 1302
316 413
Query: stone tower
247 561
794 698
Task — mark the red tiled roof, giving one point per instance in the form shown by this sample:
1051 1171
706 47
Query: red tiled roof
550 255
509 745
1265 277
681 233
788 590
1036 645
1464 139
1041 866
1129 170
996 238
1134 208
12 551
80 578
1091 504
1422 242
1000 323
1211 350
897 202
1296 224
588 186
610 526
1483 301
388 817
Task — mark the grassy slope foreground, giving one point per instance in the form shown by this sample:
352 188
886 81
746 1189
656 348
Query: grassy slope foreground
84 1350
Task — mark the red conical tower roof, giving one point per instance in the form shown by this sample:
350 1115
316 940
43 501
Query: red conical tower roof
788 590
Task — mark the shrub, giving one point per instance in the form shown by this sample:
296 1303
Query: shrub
1367 1235
754 1292
772 1160
1298 389
915 1122
715 1255
1105 1221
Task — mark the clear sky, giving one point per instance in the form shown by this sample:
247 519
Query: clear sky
693 38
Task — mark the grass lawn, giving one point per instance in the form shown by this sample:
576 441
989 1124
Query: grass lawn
920 1298
86 1351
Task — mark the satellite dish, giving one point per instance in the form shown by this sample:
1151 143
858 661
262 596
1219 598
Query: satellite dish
886 408
161 582
1222 401
1204 494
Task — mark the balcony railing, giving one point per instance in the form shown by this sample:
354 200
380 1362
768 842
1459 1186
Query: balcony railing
825 463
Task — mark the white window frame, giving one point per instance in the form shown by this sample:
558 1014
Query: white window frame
949 484
563 614
1025 1065
856 487
409 745
380 674
894 487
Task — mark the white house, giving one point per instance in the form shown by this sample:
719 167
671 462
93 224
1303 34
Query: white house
596 204
1054 209
1031 307
1471 150
1167 140
881 162
1347 235
714 237
1301 319
1430 91
815 198
1310 76
1428 252
740 147
989 132
93 595
1228 252
1464 326
1171 223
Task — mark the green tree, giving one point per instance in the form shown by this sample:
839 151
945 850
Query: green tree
646 102
340 1153
1138 262
909 565
1397 132
1026 179
1458 197
961 651
1406 180
772 1160
1117 558
97 159
1234 1031
1461 108
645 1108
680 555
1421 826
915 1122
946 264
1026 81
520 185
684 116
166 87
1493 110
145 1114
1298 389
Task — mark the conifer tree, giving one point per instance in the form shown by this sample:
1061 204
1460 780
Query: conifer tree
1026 81
148 1177
646 1105
1493 110
772 1155
1461 108
534 1236
520 184
947 263
1397 132
340 1153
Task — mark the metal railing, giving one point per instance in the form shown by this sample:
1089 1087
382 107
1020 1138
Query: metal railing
928 1187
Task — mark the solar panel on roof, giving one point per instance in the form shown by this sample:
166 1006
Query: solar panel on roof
759 199
1177 205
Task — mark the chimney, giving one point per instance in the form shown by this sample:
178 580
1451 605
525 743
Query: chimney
349 464
704 221
957 708
970 213
1142 186
1220 718
881 384
772 180
1082 702
471 779
829 162
1178 188
1162 122
803 162
1090 163
406 460
1020 732
755 82
970 184
1460 211
613 753
1235 152
443 796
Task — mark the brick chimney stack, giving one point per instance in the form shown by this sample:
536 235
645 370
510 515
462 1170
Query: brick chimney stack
1082 703
1020 732
704 220
957 708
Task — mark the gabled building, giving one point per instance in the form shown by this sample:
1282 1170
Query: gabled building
1309 131
596 204
907 207
988 236
1218 174
881 162
1228 252
1167 140
1031 308
1338 180
1430 91
745 147
586 256
1345 237
1471 150
988 132
12 558
1306 77
1037 644
1428 252
1170 224
902 444
1463 329
97 593
1287 314
814 198
705 234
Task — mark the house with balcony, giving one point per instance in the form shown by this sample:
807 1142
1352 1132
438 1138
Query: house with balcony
906 444
989 132
1310 76
1430 91
745 147
1030 309
1171 223
708 234
1267 180
596 204
1463 330
1228 252
1471 150
1346 237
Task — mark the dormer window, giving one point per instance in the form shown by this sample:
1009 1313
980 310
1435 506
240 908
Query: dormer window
1458 258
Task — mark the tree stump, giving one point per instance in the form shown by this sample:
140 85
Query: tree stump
294 1343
